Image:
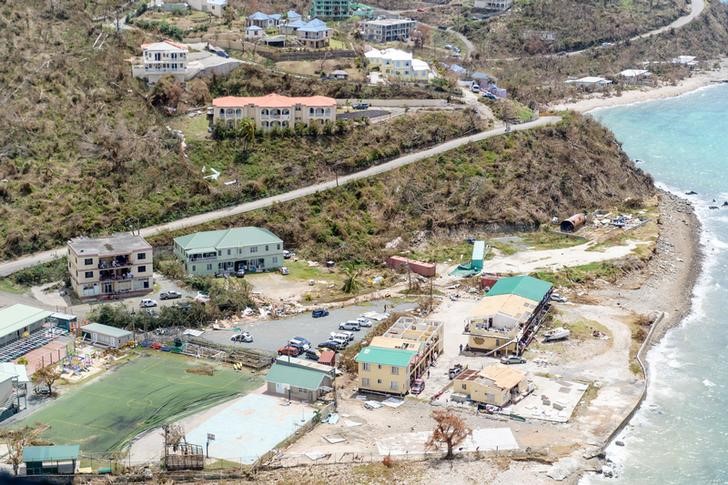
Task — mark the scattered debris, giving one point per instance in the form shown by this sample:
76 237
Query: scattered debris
334 439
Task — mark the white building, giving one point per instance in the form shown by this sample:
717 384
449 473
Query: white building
253 32
399 65
315 34
215 7
387 30
635 76
161 59
593 82
499 5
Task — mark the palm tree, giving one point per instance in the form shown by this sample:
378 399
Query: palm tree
245 133
351 282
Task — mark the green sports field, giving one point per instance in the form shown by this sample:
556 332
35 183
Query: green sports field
142 394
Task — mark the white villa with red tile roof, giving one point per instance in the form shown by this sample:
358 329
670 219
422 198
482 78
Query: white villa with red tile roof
274 110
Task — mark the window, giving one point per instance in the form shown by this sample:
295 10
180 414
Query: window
253 249
364 381
379 366
88 261
89 274
379 381
228 252
142 269
219 253
395 370
365 366
393 385
266 247
464 386
142 256
209 267
278 247
274 259
194 268
146 284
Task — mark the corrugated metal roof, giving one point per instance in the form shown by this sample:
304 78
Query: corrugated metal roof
105 330
51 453
514 306
227 238
10 370
382 356
295 376
17 317
525 286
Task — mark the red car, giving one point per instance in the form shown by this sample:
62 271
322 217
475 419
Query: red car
289 350
417 386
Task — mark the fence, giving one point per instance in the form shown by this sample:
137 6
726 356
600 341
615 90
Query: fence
395 103
291 460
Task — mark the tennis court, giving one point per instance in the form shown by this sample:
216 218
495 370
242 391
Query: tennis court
137 396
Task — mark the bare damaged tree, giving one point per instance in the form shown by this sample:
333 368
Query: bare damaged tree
47 376
16 440
450 430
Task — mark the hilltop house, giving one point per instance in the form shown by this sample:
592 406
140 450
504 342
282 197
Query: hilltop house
392 361
497 5
274 111
314 34
251 249
215 7
331 9
387 30
120 264
162 59
399 65
263 20
253 32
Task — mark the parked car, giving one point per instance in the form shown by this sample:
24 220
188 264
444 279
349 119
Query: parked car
312 354
202 297
512 359
289 350
147 303
488 95
183 305
244 337
240 273
288 254
348 336
222 274
364 322
475 88
283 270
320 313
417 386
558 298
361 106
352 325
170 295
300 342
331 345
454 371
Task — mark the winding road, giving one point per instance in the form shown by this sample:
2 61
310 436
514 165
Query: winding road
9 267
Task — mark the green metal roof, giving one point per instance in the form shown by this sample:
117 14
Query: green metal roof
106 330
17 317
524 286
295 376
384 356
227 238
51 453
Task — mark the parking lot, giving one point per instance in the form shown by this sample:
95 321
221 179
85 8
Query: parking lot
274 334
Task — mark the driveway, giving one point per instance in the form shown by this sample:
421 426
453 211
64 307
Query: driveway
274 334
9 267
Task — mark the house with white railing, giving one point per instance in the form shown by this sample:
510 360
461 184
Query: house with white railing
162 59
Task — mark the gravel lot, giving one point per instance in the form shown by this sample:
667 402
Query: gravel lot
273 334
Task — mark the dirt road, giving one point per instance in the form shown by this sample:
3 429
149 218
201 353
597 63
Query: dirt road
9 267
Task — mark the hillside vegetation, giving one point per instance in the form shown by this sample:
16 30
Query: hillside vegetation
517 181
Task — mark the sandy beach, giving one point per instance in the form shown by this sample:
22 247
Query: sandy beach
696 81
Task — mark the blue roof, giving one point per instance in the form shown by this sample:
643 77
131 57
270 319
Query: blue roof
259 16
275 16
254 27
293 14
315 25
296 23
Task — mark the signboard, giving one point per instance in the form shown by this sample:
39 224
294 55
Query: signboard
210 437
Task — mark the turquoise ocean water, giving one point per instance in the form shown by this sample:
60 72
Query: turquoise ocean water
680 435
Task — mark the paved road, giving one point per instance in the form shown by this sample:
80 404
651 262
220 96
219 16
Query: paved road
9 267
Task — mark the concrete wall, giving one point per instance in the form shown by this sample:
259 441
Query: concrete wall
395 103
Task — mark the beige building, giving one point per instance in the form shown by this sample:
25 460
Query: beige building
274 111
300 379
498 324
497 385
392 361
112 266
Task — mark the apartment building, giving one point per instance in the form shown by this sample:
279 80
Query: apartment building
331 9
498 5
251 249
274 111
314 34
392 361
399 65
162 59
387 30
214 7
112 266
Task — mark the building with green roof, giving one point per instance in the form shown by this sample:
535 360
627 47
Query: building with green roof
19 320
251 249
299 379
524 286
51 460
385 370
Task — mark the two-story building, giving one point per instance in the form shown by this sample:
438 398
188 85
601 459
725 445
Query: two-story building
274 110
505 319
117 265
399 65
314 34
497 5
264 20
214 7
387 30
331 9
166 58
392 361
252 249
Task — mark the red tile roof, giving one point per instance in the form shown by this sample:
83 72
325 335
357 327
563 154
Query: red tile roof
273 100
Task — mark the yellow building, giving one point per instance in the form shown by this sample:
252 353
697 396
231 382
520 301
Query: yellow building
402 354
498 323
497 385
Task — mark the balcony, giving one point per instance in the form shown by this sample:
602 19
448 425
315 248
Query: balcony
116 262
113 275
